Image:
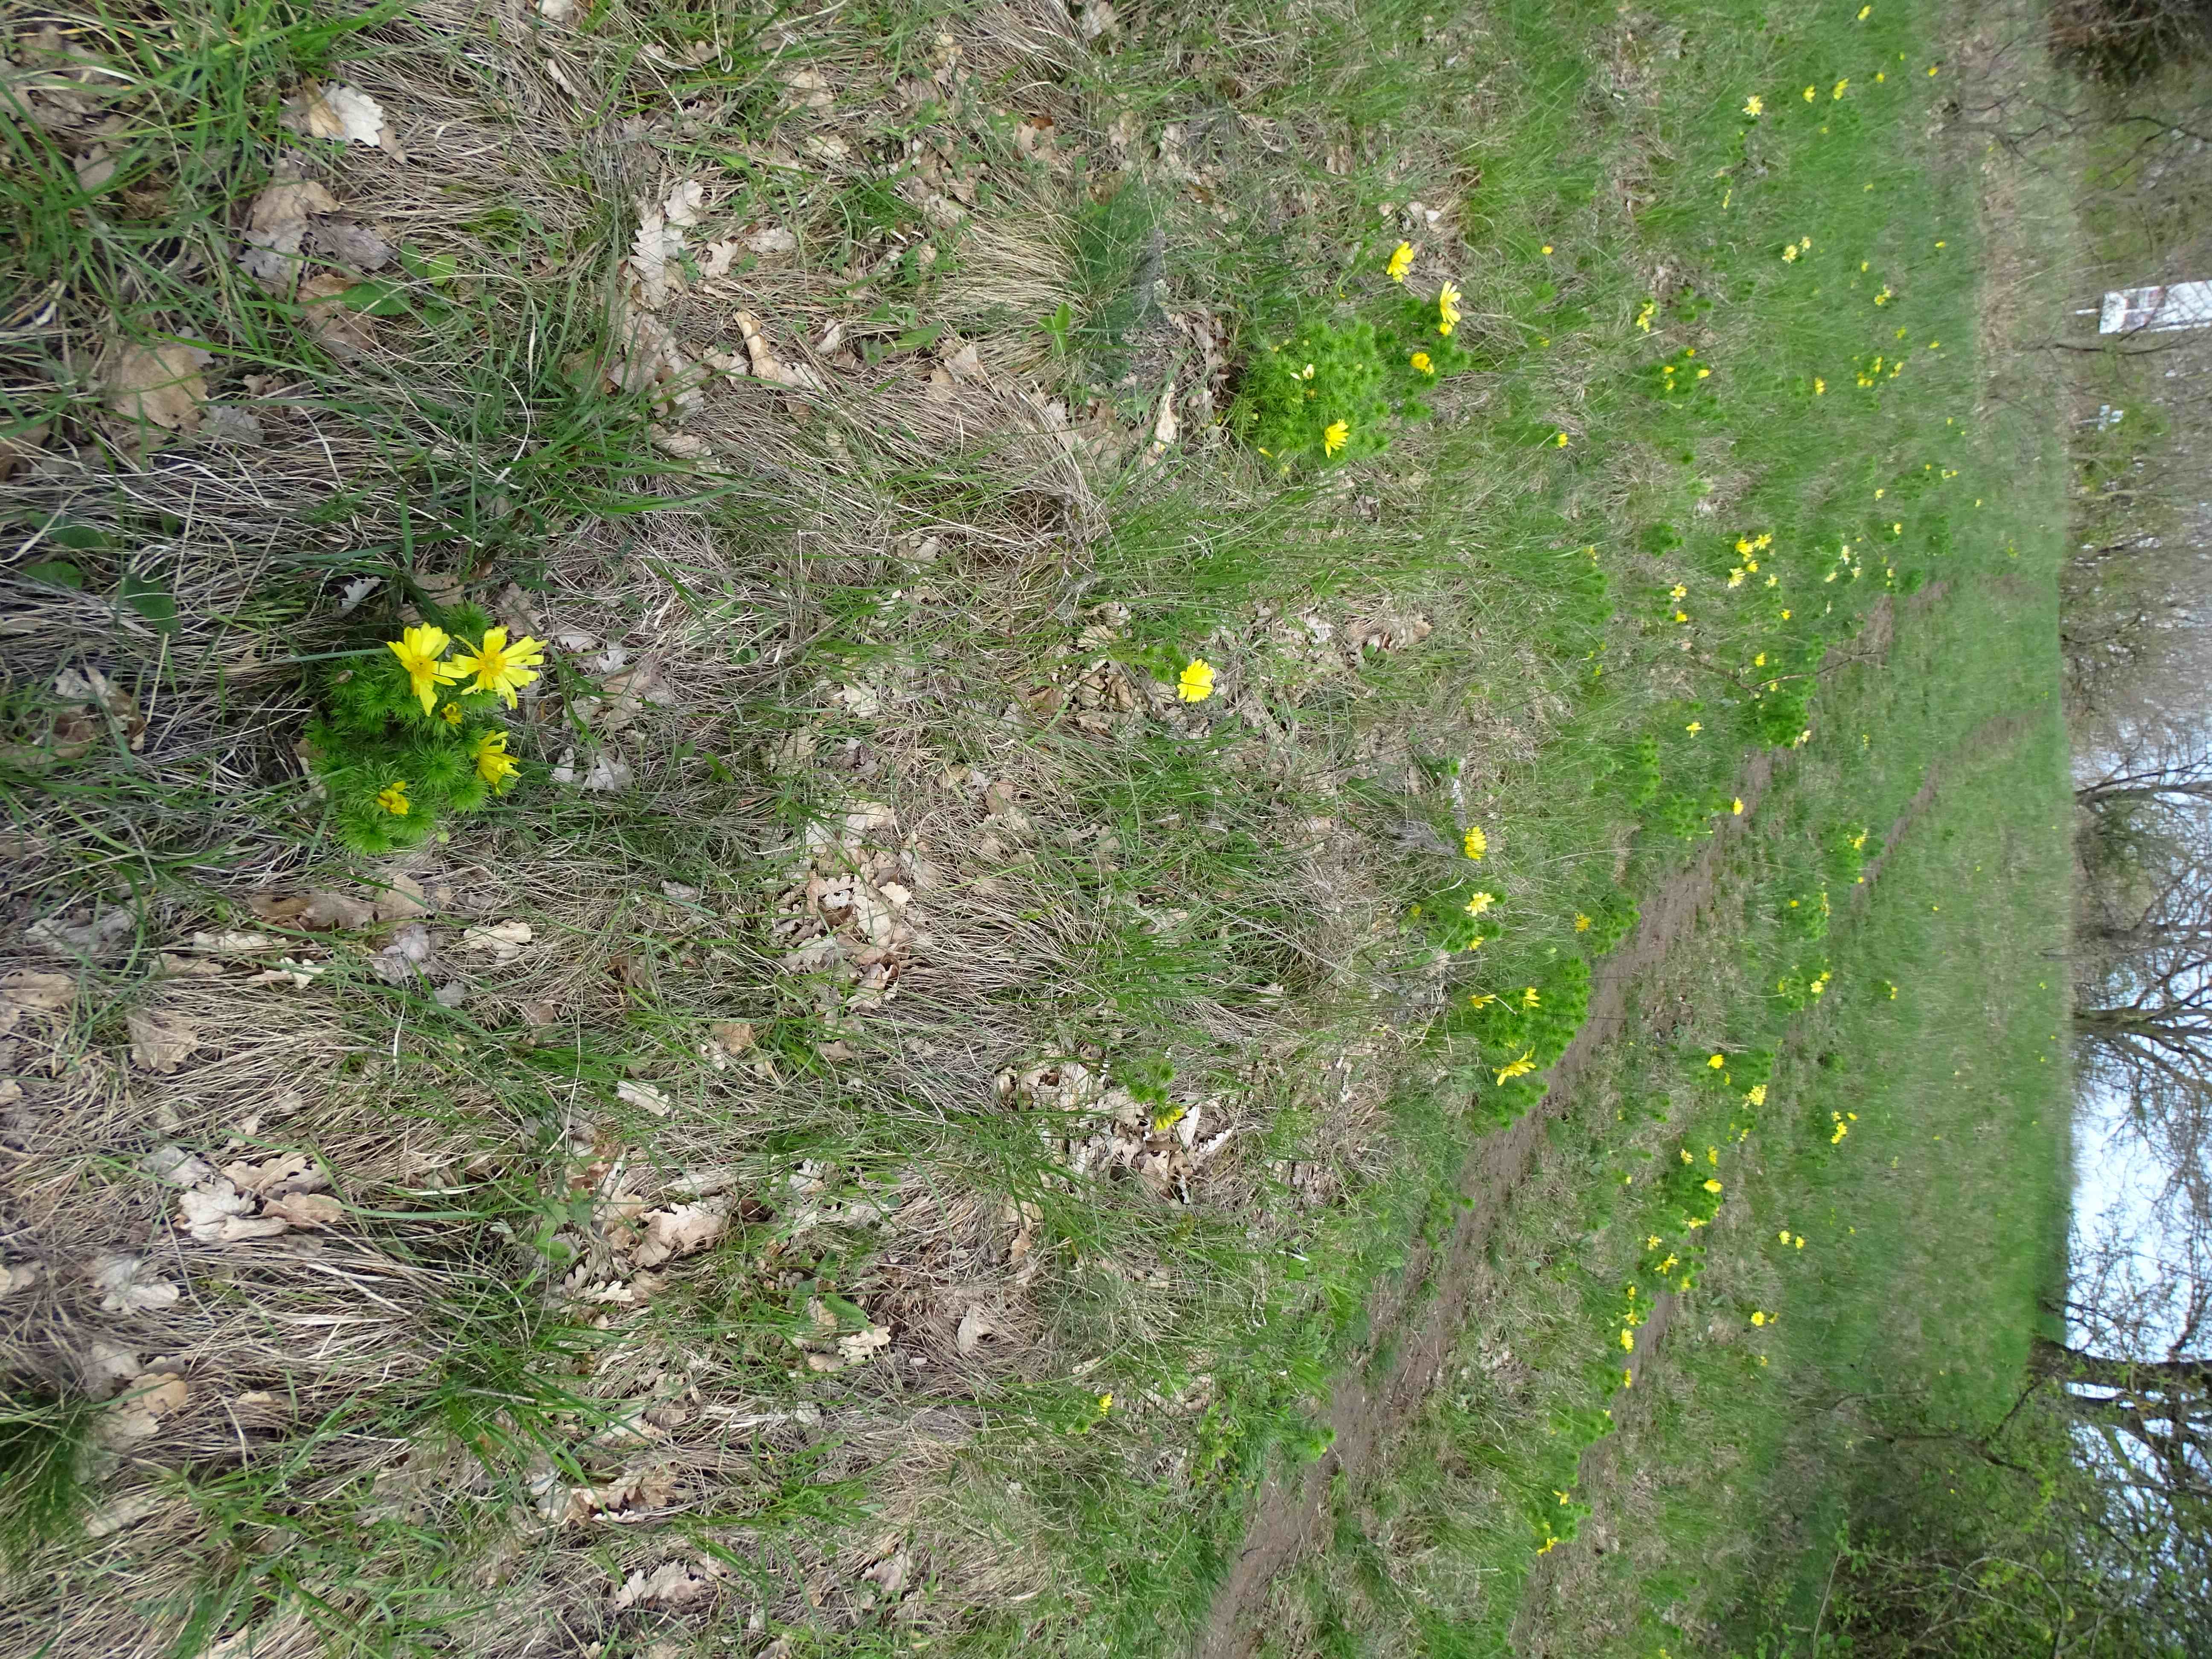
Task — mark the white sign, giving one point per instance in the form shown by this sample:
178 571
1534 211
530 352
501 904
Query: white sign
2180 304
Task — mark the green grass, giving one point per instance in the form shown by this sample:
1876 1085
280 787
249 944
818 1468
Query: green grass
1247 907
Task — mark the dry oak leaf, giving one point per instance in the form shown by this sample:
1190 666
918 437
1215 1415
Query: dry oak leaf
305 1209
27 992
644 1097
160 1042
345 111
277 229
671 1584
504 939
221 1214
129 1287
343 331
137 1414
161 385
682 1230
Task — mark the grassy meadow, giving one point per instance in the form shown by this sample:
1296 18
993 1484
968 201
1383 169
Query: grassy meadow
1123 607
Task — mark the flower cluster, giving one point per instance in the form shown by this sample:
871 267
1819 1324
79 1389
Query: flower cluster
410 732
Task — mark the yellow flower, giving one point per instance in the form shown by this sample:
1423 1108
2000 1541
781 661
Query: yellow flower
1754 105
1694 727
1581 922
1401 261
1474 843
1628 1341
1736 578
1421 363
1196 684
1863 10
500 667
1644 315
1448 312
1479 998
1799 1242
393 797
1717 1061
1820 387
1781 1238
1758 1318
451 713
1529 999
1678 592
1481 902
1760 661
494 764
1757 1095
1736 806
1712 1185
1811 92
1790 254
1520 1067
1105 1404
1840 86
1339 434
1561 440
418 650
1547 246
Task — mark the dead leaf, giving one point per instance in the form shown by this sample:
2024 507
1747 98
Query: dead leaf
720 256
351 242
24 992
809 88
138 1413
402 899
345 111
128 1286
771 240
671 1584
1164 427
277 229
682 1230
305 1209
158 386
1097 19
889 1575
177 1167
644 1097
218 1213
106 1365
343 331
160 1043
974 1326
312 910
287 1172
504 939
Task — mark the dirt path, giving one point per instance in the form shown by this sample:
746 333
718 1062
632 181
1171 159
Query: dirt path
1363 1409
1600 1465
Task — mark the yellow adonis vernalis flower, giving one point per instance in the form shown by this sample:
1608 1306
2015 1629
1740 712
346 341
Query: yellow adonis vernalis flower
1338 435
393 797
1520 1067
1421 363
1474 843
1713 1186
1529 999
418 650
1581 922
1754 105
502 667
1448 312
1195 684
1401 261
1481 902
494 764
